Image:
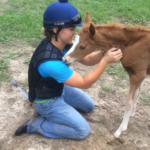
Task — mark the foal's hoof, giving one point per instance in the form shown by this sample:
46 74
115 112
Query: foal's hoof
116 141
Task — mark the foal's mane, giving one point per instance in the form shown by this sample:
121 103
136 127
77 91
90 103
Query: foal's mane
118 26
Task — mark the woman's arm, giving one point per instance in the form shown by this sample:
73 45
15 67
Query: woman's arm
76 80
92 59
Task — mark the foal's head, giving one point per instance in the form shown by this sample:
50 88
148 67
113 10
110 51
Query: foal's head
83 45
89 41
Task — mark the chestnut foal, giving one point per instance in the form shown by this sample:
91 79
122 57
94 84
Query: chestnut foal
135 45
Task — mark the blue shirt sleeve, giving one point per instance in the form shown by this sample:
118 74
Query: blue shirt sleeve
55 69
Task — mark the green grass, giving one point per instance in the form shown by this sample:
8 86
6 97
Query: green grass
3 63
107 87
5 56
144 96
99 133
4 76
116 69
27 60
107 10
11 54
25 83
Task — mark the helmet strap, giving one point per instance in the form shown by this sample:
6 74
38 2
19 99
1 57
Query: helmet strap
56 34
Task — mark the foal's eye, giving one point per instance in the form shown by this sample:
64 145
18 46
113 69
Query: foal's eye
82 47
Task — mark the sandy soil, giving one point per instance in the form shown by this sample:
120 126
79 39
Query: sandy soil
15 109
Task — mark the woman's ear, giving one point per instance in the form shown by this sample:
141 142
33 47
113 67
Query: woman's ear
55 30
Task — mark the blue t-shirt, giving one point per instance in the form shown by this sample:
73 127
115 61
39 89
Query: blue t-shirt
55 69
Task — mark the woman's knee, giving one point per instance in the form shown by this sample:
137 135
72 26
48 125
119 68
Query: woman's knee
83 132
90 107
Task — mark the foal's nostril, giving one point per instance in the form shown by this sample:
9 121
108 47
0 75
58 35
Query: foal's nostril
65 61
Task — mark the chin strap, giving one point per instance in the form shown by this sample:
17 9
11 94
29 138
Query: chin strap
56 34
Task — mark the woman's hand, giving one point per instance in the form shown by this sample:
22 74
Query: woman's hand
112 55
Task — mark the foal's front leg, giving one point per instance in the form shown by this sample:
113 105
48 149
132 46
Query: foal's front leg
135 82
128 110
138 94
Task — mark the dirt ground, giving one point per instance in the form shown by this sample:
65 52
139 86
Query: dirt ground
109 94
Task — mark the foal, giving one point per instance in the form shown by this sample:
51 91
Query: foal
135 45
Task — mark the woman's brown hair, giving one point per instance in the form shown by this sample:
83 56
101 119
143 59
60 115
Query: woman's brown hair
48 33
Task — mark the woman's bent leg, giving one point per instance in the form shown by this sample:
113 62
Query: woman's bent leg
59 120
78 99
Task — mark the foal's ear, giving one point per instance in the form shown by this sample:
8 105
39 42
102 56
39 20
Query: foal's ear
92 29
87 18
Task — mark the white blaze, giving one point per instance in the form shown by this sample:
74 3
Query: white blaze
67 59
74 45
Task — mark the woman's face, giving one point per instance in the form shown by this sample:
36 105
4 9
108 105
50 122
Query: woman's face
66 35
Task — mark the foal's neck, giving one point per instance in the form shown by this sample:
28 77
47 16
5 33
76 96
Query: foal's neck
120 37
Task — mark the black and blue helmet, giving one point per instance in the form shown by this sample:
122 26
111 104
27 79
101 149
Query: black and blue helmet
61 14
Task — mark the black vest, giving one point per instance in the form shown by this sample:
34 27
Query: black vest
39 87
